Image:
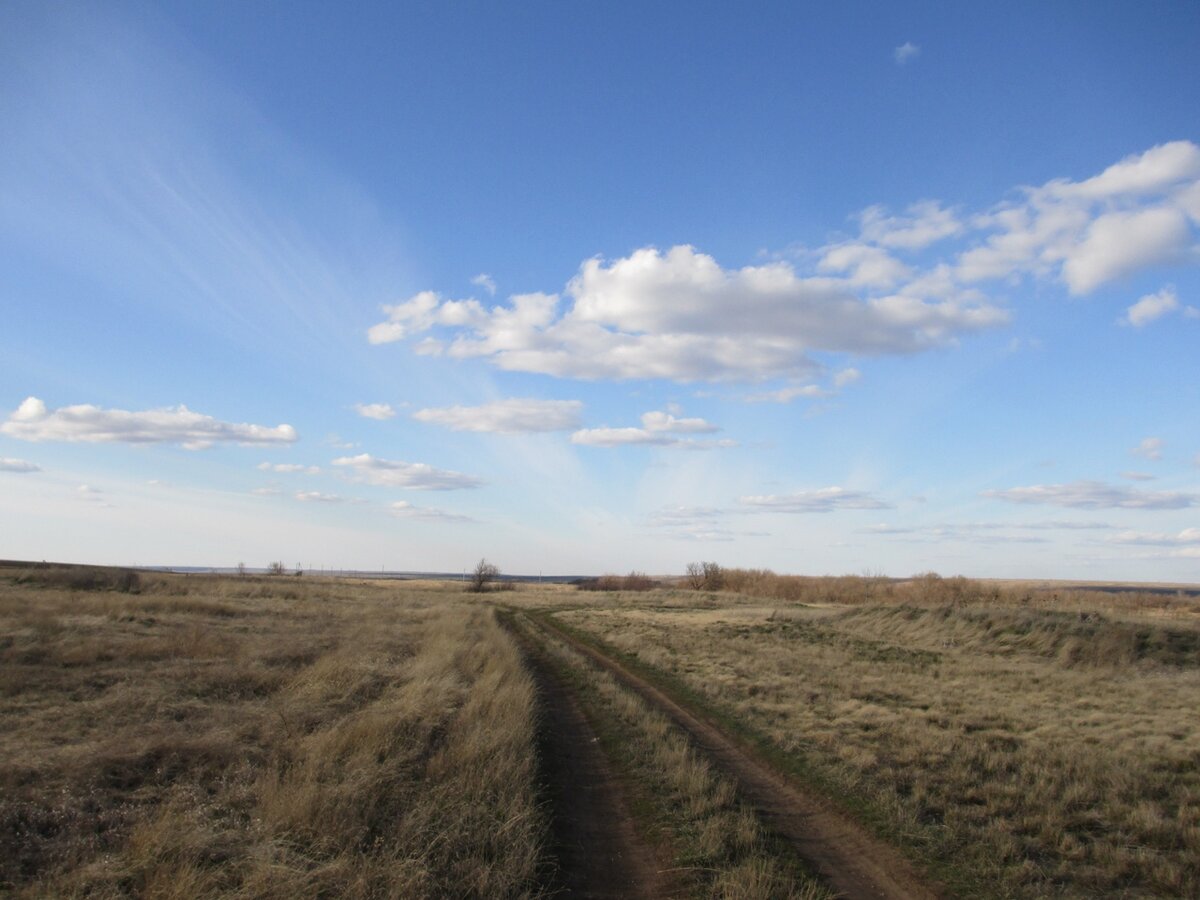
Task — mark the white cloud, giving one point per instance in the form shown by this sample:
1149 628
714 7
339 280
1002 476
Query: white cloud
788 394
266 492
289 468
818 501
414 476
1185 537
32 421
380 411
680 316
318 497
666 422
9 464
864 265
846 377
486 282
905 52
1151 307
1120 243
660 429
402 509
927 223
512 416
1095 495
1149 448
1138 476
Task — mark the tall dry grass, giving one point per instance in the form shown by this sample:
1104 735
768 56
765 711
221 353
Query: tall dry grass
262 738
1024 751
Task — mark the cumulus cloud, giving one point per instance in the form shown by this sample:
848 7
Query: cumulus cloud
9 464
1149 448
402 509
394 473
512 416
680 315
1150 307
819 501
289 468
32 421
486 282
1095 495
1138 476
905 52
380 411
660 429
844 378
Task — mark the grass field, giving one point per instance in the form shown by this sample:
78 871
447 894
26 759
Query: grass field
262 738
197 736
1021 751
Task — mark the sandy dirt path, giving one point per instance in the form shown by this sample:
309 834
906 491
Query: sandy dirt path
597 850
852 861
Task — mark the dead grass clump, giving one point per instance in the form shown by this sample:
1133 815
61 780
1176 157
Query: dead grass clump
634 581
81 578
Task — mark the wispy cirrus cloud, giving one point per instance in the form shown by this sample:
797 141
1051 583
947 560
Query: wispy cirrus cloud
822 500
512 416
658 429
318 497
1095 495
21 466
1187 537
1149 448
905 53
33 421
289 468
395 473
402 509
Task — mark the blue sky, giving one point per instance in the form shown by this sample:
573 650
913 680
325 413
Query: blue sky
587 288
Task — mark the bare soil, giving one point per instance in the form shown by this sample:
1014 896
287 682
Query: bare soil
854 862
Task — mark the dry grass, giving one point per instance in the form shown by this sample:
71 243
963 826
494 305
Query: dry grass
256 737
718 843
1026 751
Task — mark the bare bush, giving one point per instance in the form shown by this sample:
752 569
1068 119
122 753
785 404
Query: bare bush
483 577
276 568
705 576
634 581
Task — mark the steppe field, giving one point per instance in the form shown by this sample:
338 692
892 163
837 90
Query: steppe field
731 734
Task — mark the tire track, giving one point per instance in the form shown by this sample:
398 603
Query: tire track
596 848
853 862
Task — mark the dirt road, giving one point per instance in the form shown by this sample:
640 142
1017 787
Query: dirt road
853 862
596 848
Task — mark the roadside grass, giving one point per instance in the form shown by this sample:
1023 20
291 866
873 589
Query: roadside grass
1017 752
261 737
720 848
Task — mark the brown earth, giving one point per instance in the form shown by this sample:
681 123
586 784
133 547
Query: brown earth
853 862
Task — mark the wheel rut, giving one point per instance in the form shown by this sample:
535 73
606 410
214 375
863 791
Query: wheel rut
596 848
852 861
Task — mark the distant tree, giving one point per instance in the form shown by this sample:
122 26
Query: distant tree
705 576
482 577
241 568
276 568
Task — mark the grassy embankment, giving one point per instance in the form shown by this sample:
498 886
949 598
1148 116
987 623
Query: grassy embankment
260 737
1018 748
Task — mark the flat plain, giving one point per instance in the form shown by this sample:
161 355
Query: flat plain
200 736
